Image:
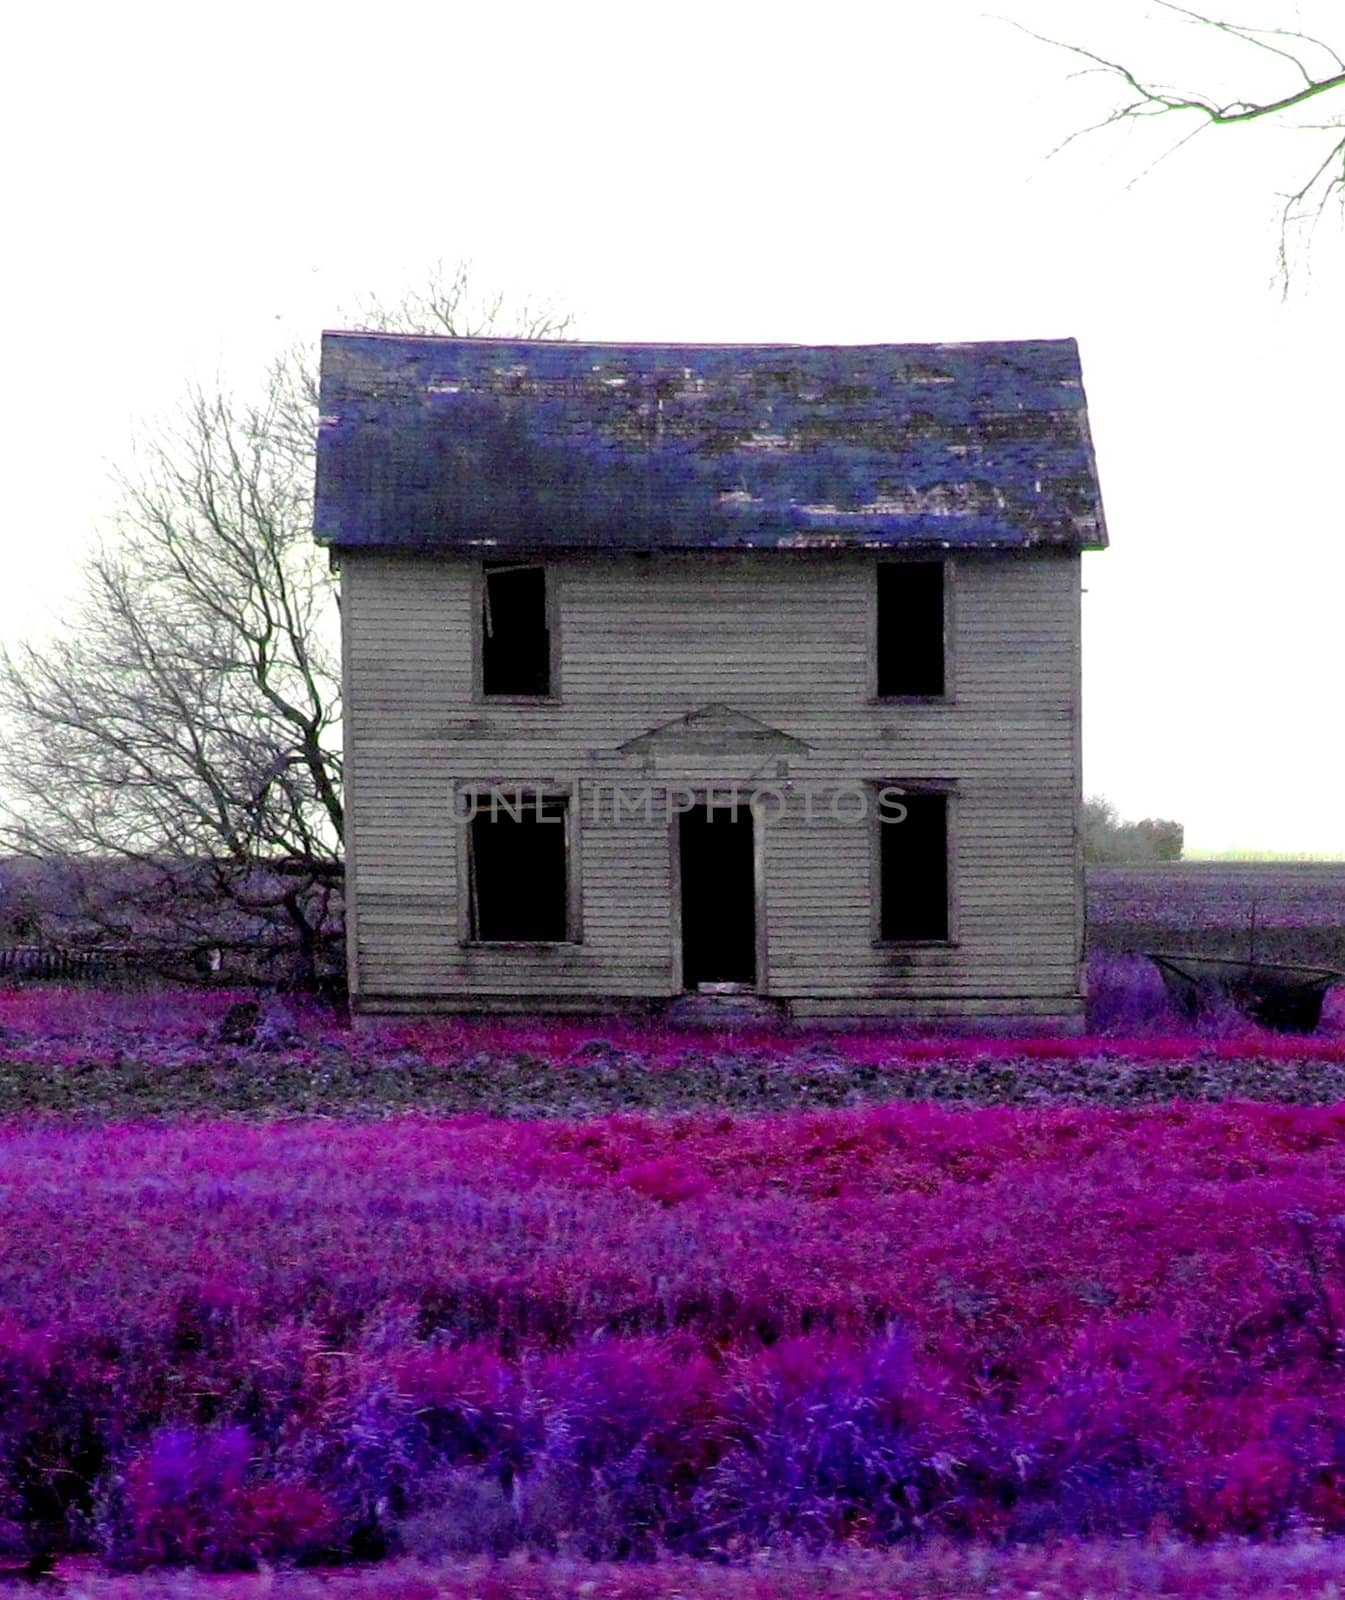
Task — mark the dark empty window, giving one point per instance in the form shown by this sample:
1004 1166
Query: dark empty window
913 868
515 636
518 870
910 628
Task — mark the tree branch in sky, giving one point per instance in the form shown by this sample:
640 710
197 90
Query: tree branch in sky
1315 71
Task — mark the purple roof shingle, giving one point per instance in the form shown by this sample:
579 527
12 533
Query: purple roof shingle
549 445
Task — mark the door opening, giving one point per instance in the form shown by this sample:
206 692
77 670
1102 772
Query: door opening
719 909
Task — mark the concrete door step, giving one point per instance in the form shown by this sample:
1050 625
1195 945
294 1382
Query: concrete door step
727 1008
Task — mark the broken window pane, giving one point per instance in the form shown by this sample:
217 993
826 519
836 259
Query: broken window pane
914 870
910 628
518 869
515 637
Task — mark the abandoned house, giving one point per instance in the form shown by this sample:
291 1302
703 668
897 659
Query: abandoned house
713 670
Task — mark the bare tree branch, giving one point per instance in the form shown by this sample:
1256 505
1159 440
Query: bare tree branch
1148 98
447 305
182 739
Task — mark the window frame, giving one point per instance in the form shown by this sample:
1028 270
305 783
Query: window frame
918 558
948 788
547 789
551 581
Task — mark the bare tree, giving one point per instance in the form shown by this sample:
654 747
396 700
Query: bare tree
1307 71
449 303
177 749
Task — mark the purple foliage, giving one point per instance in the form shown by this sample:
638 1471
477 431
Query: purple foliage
191 1495
224 1344
1126 995
854 1326
1305 1568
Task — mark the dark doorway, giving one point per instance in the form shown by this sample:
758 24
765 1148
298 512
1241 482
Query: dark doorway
719 902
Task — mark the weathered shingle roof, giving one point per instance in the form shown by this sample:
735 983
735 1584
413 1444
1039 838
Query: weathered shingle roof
458 443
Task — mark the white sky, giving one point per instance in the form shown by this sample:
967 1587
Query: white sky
192 186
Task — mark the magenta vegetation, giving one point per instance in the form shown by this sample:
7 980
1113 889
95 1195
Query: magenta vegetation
711 1325
1129 1015
1306 1569
701 1335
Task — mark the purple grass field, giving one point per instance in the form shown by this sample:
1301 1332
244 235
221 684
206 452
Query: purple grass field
1188 896
691 1336
544 1308
1273 911
1301 1569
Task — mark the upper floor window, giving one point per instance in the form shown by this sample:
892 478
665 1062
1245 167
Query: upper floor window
515 630
911 644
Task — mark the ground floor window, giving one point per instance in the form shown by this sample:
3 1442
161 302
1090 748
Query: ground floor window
520 876
913 854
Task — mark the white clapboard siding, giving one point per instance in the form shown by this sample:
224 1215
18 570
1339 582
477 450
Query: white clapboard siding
778 637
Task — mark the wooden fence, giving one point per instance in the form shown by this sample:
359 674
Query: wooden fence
33 962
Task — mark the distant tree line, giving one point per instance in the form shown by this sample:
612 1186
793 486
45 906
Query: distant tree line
1107 839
